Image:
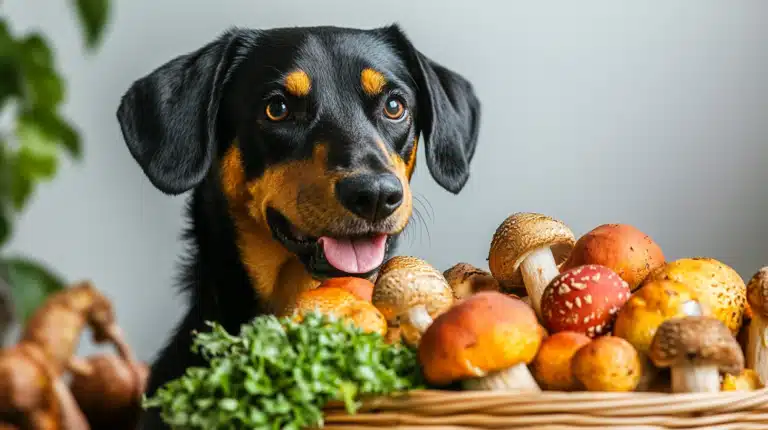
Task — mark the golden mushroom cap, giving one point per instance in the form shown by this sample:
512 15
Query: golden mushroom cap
608 363
340 303
747 380
520 234
717 284
407 282
757 292
654 303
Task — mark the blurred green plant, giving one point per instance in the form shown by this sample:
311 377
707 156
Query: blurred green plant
33 134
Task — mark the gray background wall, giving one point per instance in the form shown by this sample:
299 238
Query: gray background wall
649 113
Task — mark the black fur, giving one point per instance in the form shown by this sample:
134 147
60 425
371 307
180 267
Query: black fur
180 119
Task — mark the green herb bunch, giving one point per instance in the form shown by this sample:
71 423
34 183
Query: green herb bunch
279 374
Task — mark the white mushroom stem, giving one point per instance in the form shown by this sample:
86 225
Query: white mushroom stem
538 270
757 350
515 378
695 379
419 318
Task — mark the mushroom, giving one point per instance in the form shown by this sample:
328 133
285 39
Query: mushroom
717 284
552 366
410 293
527 249
584 299
654 303
466 279
485 341
757 350
747 380
340 303
622 248
608 363
696 349
362 288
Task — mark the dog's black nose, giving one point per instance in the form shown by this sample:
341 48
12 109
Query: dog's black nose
371 196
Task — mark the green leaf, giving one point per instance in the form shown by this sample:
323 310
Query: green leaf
43 87
36 157
93 16
5 224
21 190
31 283
56 129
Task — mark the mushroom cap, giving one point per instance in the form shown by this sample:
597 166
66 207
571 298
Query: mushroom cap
747 380
409 282
466 279
341 303
584 299
654 303
552 366
608 363
361 288
519 235
622 248
721 287
757 292
483 333
697 341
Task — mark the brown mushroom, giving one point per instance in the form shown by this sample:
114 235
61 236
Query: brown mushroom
485 341
109 391
410 293
466 279
552 366
622 248
756 352
608 363
527 249
718 285
696 349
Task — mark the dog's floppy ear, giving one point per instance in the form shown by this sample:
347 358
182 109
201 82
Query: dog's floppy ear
168 117
448 114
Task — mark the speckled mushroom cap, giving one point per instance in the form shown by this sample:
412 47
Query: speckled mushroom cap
486 332
519 235
757 292
405 282
697 341
717 284
466 279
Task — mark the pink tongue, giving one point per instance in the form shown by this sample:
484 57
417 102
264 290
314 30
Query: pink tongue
355 255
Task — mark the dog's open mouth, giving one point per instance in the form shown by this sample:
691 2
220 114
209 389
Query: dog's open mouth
328 256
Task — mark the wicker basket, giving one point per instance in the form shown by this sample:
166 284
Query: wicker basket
429 409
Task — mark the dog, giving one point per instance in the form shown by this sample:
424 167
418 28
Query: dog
298 145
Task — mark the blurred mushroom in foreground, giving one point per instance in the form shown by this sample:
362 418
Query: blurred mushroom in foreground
410 293
756 353
622 248
552 366
608 363
697 350
486 341
466 279
717 284
341 303
527 249
584 299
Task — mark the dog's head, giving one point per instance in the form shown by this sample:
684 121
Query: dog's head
312 133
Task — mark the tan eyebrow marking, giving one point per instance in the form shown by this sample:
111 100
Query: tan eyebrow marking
298 83
372 81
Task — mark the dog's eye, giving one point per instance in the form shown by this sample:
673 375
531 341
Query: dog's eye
277 110
394 109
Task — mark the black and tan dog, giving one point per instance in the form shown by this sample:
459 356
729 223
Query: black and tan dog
299 145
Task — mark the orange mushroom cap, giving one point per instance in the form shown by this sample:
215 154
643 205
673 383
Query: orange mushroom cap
552 365
341 303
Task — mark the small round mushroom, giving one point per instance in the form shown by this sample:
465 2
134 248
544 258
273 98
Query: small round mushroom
696 349
552 366
466 279
362 288
486 341
527 249
717 284
622 248
584 299
747 380
756 352
341 303
608 363
410 293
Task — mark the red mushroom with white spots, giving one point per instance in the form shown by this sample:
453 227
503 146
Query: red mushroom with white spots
584 299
